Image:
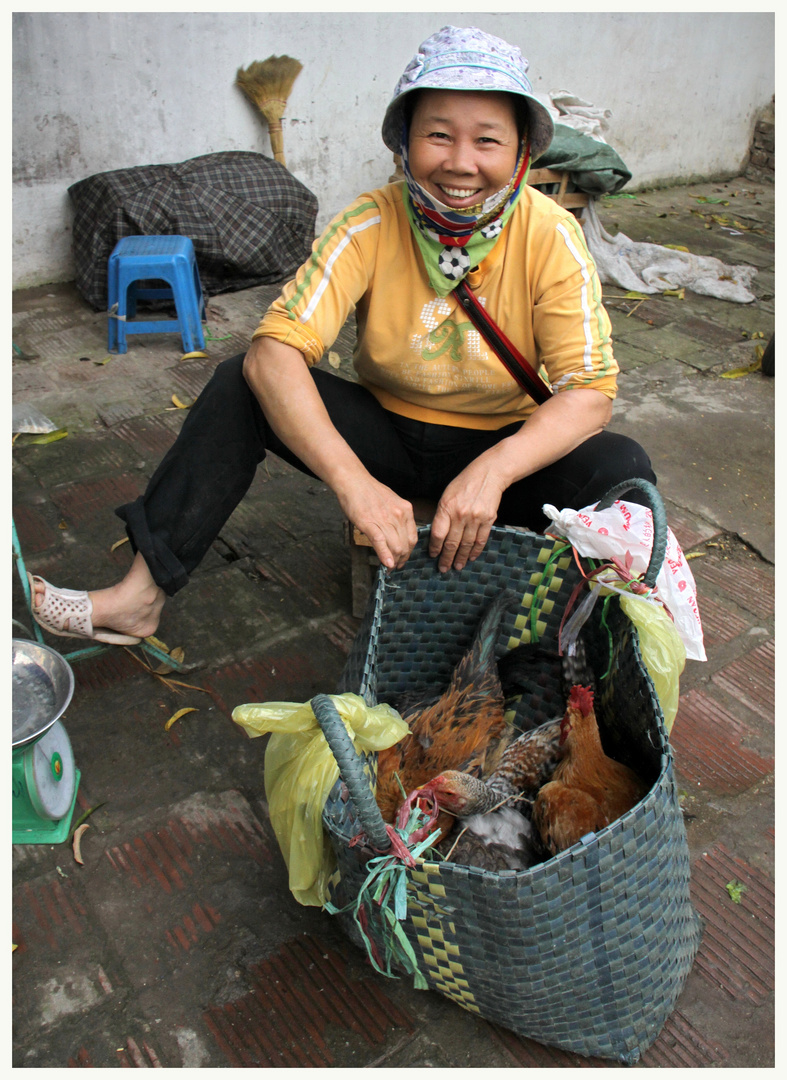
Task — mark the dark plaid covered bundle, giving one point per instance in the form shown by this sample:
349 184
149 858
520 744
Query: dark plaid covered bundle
250 220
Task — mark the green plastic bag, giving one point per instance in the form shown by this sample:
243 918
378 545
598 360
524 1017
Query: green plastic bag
663 651
300 771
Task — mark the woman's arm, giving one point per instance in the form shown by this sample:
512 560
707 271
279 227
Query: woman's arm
281 382
468 507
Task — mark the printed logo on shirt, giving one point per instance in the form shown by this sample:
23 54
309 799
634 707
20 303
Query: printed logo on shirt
444 336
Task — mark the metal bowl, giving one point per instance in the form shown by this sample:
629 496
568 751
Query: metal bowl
42 687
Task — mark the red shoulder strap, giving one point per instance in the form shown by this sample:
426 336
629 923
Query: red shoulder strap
513 361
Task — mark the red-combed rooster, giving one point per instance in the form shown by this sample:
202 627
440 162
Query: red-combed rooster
495 830
464 728
589 790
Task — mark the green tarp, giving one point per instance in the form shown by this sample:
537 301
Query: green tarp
592 166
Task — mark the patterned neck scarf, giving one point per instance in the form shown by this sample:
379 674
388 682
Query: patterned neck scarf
453 241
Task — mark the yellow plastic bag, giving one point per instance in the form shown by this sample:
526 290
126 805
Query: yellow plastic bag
663 651
300 771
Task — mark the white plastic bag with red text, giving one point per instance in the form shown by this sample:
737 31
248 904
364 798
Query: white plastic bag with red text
623 533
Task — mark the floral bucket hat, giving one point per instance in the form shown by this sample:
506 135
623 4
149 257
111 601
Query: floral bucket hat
466 58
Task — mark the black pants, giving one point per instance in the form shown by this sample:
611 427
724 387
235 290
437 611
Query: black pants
209 468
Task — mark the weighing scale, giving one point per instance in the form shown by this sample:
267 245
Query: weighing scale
44 778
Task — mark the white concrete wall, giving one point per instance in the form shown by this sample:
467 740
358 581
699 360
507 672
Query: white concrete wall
95 91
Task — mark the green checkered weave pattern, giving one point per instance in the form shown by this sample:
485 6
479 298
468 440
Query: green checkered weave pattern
589 950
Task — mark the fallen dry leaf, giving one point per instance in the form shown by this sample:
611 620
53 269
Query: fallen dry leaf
177 716
157 643
180 404
47 437
171 684
77 844
119 543
334 359
736 373
195 356
177 655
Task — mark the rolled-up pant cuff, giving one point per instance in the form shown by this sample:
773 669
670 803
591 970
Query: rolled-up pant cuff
165 568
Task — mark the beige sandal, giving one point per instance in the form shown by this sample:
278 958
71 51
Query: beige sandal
67 613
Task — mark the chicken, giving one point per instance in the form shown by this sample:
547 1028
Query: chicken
495 832
463 728
588 790
503 839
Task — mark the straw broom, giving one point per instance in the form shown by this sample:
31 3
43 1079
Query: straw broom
267 83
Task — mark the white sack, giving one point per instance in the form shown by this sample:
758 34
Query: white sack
651 268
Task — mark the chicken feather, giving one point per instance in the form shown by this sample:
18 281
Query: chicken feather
589 790
465 728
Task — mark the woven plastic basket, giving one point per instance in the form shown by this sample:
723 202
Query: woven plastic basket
588 951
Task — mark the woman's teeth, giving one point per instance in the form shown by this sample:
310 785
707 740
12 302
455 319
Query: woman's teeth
459 193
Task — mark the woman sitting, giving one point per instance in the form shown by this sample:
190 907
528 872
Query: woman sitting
434 413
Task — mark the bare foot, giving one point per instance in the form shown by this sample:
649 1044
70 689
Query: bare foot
133 606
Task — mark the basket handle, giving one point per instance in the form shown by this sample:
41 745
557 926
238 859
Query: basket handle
351 771
654 502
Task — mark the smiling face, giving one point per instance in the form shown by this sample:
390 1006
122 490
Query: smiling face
463 145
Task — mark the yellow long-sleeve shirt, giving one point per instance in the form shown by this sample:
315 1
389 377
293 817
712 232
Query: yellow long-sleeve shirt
419 354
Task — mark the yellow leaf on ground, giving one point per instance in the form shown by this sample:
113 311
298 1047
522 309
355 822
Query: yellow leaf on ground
679 294
636 296
179 404
194 356
177 654
48 437
177 716
735 373
677 247
157 643
119 543
694 555
334 359
77 843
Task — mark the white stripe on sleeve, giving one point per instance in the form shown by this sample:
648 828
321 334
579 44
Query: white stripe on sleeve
587 356
304 318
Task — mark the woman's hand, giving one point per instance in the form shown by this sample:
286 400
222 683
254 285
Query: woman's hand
468 507
382 516
465 514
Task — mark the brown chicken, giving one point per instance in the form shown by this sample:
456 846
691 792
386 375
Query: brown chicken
488 834
589 790
464 728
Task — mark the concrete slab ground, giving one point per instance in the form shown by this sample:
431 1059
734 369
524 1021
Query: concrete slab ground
177 944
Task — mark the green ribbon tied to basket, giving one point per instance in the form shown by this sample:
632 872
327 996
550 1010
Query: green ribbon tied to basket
382 898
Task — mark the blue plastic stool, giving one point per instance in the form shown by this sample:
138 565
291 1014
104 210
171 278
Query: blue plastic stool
154 258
